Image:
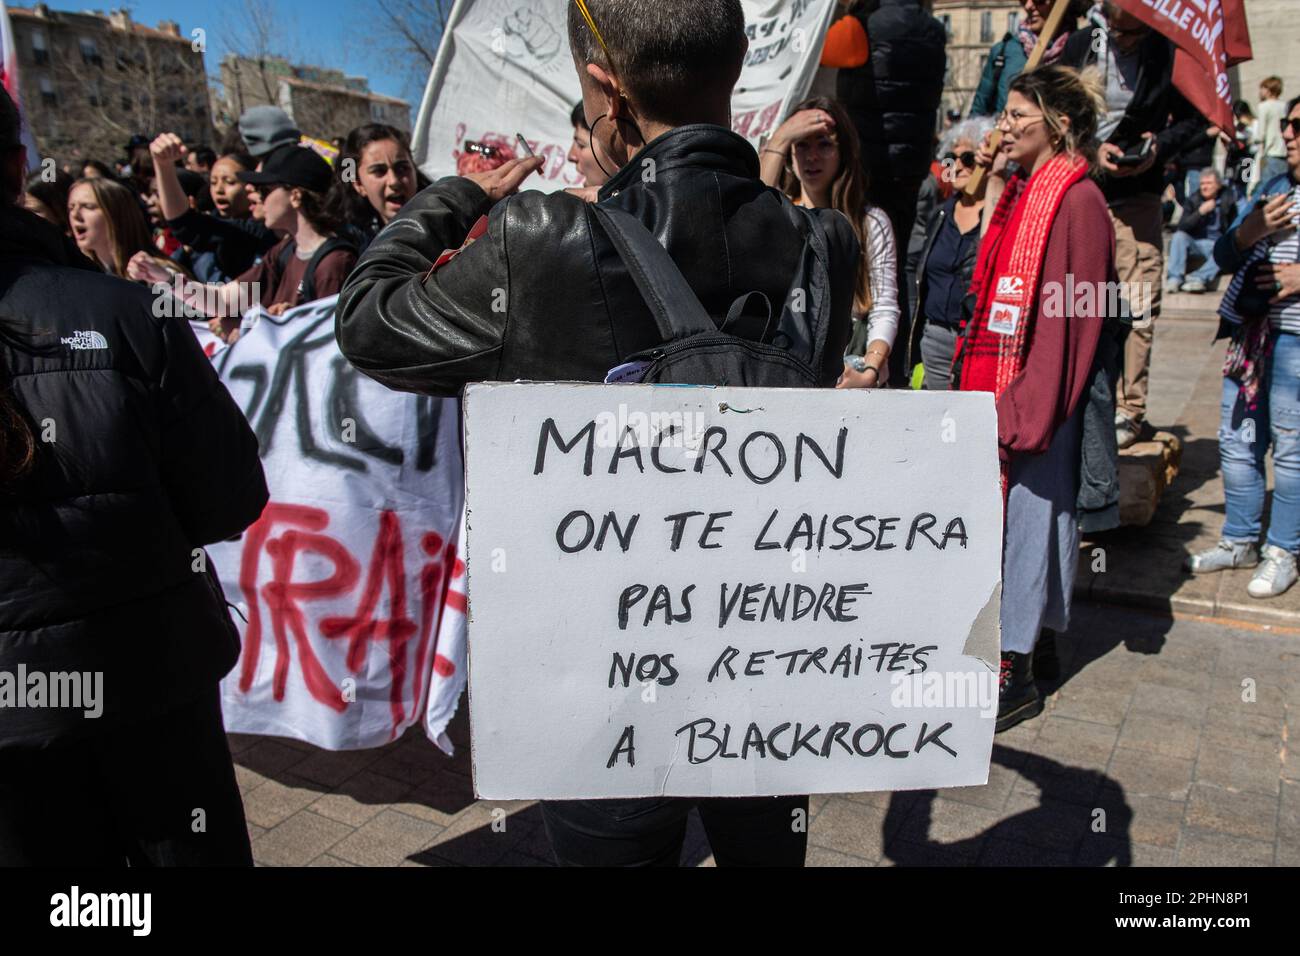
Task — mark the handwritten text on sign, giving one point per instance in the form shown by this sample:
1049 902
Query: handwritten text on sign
727 592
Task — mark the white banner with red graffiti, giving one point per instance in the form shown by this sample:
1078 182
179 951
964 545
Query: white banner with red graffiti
350 586
514 54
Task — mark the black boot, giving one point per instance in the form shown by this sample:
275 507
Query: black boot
1047 666
1017 693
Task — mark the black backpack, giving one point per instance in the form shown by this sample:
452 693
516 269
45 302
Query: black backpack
307 287
695 349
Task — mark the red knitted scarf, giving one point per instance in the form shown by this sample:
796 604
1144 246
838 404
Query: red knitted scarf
995 340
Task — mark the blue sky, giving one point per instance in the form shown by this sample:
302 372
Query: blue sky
322 32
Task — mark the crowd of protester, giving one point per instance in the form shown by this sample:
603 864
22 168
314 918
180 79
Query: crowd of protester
1066 167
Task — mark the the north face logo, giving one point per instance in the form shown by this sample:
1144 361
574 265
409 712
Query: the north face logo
86 340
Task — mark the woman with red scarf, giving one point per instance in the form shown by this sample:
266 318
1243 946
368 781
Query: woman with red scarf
1040 290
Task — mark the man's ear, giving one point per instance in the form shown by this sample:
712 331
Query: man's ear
607 87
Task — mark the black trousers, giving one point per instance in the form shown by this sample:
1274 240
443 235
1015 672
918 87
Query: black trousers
746 831
159 792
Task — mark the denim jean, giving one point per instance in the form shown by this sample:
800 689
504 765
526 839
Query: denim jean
1183 244
1244 439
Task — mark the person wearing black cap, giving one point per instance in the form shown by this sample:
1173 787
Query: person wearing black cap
309 263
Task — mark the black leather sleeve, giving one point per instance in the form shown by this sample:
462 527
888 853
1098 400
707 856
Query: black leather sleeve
430 332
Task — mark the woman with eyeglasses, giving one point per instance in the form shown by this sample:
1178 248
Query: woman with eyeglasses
1032 341
814 157
309 263
941 258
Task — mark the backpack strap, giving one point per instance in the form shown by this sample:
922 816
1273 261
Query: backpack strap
806 315
676 308
308 285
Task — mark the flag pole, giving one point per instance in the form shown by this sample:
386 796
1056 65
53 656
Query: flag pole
976 181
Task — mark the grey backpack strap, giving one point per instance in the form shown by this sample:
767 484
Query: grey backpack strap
675 306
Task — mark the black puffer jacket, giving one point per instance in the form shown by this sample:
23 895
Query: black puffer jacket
894 98
544 296
142 457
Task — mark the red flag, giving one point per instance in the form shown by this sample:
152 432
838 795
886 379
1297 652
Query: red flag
1211 35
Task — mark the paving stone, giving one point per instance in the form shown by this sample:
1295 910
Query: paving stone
1251 816
849 828
299 840
387 839
471 841
820 856
1043 822
270 757
332 767
1210 848
992 795
1141 773
1235 769
360 798
1232 727
1152 821
1167 736
1154 698
276 801
1098 705
997 852
248 780
441 799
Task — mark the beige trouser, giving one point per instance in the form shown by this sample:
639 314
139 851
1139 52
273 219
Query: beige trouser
1140 262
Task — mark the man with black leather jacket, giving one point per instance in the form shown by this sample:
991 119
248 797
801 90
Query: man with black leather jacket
541 294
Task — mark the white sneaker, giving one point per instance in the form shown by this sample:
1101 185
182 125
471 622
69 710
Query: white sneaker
1127 431
1275 575
1173 285
1195 286
1223 557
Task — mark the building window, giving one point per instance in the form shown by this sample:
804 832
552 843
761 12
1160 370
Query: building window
48 96
376 112
90 53
1013 21
946 20
986 26
92 94
40 52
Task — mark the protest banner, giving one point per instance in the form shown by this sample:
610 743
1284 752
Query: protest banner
729 592
1210 36
515 55
350 587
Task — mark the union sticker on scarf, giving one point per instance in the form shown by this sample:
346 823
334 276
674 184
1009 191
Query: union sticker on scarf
1004 316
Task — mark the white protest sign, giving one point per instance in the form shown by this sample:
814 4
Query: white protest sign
728 592
504 67
350 586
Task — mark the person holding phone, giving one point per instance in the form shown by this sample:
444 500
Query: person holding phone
1147 122
1261 384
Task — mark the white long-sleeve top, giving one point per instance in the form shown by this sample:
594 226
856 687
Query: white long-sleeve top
882 259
